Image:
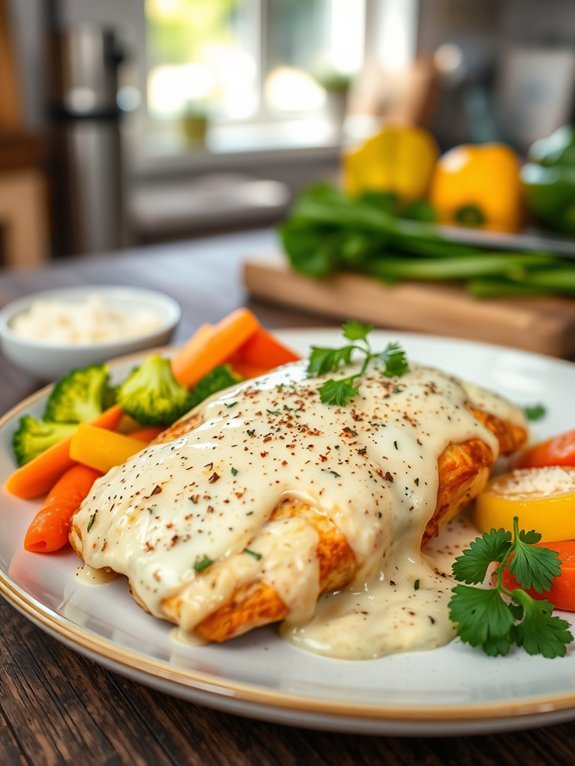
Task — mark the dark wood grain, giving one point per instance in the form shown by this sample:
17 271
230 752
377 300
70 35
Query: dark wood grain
57 707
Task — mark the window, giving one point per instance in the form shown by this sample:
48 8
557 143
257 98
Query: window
265 74
244 62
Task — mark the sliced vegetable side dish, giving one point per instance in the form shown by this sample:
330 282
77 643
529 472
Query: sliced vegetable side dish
100 434
297 452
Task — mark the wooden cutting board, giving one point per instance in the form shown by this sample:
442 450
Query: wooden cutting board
544 325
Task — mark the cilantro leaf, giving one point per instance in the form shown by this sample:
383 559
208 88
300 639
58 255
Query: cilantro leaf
534 567
471 567
540 632
354 330
395 360
483 619
323 360
339 392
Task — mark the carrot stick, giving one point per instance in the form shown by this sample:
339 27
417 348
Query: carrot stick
146 434
265 351
201 354
248 370
50 527
191 349
39 475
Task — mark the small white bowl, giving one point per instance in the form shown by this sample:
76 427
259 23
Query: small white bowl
50 360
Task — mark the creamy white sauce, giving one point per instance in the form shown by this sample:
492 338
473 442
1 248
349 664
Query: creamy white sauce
81 322
370 466
87 575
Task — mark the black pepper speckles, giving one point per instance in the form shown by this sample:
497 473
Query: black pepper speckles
220 483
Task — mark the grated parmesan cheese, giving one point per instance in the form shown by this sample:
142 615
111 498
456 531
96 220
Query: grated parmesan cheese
528 482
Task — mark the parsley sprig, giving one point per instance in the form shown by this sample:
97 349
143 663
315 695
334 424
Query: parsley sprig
496 618
325 360
534 412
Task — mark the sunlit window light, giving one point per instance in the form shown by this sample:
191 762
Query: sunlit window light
347 28
171 88
289 89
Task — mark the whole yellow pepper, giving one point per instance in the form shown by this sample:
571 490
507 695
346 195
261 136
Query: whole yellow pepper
399 159
478 186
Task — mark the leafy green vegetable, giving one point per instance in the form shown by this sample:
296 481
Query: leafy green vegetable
152 395
486 264
325 360
329 232
32 437
494 619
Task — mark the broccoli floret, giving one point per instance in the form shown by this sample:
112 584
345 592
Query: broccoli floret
35 436
219 378
80 396
151 394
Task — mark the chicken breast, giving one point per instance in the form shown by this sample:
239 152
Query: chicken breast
251 507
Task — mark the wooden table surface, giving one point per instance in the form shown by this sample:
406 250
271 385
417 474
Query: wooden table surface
56 707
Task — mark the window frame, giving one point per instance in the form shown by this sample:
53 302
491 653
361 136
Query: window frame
148 128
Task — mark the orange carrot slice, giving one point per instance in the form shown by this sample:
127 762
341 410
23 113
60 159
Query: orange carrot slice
38 476
50 527
264 351
146 434
562 591
211 346
558 450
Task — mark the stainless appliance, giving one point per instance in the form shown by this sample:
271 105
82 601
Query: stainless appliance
88 173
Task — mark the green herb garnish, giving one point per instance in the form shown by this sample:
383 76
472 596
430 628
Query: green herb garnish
494 619
534 412
202 564
325 360
92 520
256 556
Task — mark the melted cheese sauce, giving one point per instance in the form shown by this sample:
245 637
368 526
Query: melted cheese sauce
87 575
189 519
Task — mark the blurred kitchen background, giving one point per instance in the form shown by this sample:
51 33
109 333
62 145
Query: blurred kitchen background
126 122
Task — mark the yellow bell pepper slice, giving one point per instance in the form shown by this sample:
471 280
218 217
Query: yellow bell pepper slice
399 159
478 186
102 449
542 498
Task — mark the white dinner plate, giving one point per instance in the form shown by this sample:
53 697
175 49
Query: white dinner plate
452 690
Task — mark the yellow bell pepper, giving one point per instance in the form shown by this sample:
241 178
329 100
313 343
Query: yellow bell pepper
542 499
399 159
102 449
478 186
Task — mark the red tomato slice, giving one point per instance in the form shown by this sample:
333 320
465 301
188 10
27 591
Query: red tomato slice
559 450
562 592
